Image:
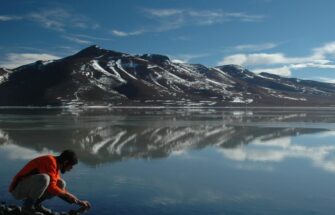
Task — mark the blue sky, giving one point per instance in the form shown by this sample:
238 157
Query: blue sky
295 38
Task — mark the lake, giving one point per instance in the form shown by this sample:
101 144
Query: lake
181 161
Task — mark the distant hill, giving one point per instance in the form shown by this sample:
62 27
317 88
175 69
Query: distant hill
95 76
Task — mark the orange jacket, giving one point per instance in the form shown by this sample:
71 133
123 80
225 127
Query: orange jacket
42 165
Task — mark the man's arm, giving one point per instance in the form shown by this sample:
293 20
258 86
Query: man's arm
66 199
72 199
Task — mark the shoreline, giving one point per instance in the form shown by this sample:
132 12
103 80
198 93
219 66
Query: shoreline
161 107
11 209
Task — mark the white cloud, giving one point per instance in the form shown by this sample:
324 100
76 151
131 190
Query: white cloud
163 12
9 18
282 71
60 19
279 63
52 19
312 65
14 60
169 19
119 33
126 34
238 59
254 59
202 16
328 48
179 61
185 58
325 79
287 70
92 37
77 40
84 39
255 47
245 17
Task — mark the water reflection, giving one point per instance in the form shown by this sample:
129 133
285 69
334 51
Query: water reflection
202 161
101 138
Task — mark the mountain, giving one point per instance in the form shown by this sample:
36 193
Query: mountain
95 76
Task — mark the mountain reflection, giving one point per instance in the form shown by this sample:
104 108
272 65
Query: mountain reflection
115 137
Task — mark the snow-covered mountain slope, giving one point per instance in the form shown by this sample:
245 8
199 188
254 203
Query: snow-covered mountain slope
96 76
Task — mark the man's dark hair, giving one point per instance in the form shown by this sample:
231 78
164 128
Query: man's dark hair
68 155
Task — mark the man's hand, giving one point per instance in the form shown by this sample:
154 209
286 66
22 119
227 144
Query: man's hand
85 204
73 199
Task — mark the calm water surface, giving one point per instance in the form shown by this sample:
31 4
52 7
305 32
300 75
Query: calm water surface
205 161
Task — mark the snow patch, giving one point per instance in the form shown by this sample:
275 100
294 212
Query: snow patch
291 98
176 78
141 59
3 78
155 81
111 65
97 67
185 70
46 62
265 77
214 82
119 65
152 66
248 76
107 81
242 100
224 75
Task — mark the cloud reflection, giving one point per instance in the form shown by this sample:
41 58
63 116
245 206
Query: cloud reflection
280 149
17 152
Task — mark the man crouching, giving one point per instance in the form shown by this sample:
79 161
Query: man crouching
40 179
